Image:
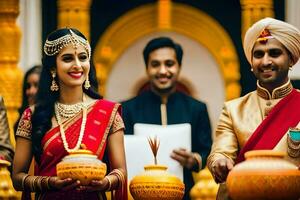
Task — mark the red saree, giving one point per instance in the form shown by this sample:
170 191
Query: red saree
284 115
99 122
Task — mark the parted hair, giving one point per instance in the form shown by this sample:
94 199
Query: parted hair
162 42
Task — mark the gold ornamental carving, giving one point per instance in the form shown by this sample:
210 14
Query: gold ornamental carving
254 10
11 75
142 21
75 13
7 190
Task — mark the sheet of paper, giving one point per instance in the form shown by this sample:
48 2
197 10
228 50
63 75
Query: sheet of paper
138 151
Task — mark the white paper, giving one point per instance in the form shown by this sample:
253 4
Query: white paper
139 154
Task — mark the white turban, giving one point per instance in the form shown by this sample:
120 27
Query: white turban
285 33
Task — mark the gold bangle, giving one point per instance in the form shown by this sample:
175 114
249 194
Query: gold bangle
23 181
33 187
109 183
120 176
48 183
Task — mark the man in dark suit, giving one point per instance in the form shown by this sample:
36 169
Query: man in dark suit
6 149
163 104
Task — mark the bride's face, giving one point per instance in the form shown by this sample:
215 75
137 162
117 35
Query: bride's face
73 66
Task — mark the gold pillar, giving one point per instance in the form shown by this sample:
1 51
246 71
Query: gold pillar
164 14
11 75
254 10
75 13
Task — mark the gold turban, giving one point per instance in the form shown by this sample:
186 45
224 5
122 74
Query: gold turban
285 33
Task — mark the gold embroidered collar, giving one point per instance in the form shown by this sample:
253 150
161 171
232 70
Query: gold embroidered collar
277 93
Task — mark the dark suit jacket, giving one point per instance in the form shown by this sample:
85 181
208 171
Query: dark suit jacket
6 149
181 108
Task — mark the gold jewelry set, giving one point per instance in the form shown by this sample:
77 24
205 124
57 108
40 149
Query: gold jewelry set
69 113
53 47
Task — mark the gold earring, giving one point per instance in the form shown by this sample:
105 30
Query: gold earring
54 87
291 68
87 84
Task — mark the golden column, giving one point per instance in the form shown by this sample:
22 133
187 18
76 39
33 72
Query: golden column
254 10
164 14
11 75
75 13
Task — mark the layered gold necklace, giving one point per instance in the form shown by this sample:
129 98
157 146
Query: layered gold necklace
67 111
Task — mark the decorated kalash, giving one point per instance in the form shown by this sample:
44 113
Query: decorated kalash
155 183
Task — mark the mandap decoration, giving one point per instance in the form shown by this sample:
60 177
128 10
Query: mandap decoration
155 183
265 174
81 165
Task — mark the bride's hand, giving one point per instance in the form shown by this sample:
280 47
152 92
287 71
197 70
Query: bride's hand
97 185
63 184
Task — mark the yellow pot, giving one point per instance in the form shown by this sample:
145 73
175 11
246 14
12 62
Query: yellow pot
265 174
155 183
81 165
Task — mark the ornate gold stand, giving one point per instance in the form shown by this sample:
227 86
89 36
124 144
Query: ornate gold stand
11 75
7 190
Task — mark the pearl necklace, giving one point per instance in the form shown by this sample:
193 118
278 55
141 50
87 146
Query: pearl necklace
62 131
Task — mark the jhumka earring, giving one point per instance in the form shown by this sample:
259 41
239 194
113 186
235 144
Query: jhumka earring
87 84
54 87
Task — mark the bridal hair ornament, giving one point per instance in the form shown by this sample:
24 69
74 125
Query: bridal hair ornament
55 46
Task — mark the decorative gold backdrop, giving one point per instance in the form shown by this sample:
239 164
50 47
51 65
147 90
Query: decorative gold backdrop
11 75
182 19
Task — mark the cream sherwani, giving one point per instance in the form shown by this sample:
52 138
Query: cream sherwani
240 118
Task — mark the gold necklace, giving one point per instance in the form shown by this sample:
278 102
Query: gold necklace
62 131
68 111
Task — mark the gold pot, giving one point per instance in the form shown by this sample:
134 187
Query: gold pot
265 174
81 165
155 183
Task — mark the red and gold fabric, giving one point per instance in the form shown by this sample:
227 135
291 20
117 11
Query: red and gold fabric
103 119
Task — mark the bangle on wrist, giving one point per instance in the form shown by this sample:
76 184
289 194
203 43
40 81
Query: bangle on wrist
23 181
109 183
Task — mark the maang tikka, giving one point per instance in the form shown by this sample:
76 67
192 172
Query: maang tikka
54 87
53 47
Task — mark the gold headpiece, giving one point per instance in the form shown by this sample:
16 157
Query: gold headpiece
53 47
264 36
